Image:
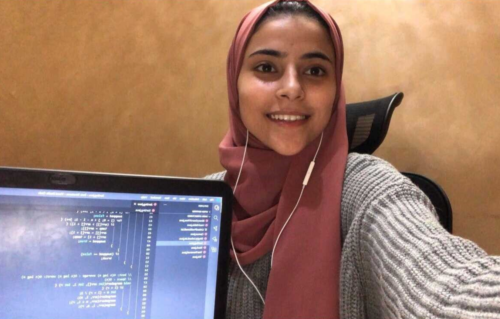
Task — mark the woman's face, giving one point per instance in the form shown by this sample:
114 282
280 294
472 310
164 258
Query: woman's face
287 83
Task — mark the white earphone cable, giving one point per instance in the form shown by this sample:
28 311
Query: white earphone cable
232 244
304 184
244 273
306 180
241 166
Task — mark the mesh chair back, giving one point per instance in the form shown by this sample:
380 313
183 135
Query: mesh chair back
368 122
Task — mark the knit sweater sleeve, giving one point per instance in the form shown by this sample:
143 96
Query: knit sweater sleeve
397 260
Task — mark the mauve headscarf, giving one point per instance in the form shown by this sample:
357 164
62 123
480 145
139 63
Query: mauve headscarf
304 279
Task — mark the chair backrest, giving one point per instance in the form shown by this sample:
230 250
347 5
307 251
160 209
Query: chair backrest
368 122
367 126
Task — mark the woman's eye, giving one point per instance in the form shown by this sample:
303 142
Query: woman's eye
266 68
316 71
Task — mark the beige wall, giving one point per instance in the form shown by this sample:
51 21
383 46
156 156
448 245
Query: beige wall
139 87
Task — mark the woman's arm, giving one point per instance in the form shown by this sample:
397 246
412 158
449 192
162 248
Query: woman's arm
399 260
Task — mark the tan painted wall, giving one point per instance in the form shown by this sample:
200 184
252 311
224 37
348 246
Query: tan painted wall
139 87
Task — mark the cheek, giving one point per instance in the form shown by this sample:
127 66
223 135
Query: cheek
254 96
245 103
324 105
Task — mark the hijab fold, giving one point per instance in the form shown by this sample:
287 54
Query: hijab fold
305 275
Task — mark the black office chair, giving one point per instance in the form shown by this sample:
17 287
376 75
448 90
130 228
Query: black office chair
367 126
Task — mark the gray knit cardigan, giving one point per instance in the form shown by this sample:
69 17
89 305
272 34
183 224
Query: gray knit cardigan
397 260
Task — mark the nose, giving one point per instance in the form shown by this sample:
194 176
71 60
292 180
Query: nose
290 87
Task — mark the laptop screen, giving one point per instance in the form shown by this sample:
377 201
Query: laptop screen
76 254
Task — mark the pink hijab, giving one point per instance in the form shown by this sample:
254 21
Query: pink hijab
304 280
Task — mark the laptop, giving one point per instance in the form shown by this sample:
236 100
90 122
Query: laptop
78 245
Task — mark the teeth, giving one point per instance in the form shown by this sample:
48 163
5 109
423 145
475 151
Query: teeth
290 118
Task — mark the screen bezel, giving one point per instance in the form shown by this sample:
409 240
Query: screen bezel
138 184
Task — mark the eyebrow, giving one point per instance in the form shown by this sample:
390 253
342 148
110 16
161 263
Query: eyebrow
278 54
316 55
270 52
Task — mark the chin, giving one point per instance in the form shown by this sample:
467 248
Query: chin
287 151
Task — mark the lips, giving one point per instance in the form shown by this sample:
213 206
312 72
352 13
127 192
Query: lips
287 117
288 120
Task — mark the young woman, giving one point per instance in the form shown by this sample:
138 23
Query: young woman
318 233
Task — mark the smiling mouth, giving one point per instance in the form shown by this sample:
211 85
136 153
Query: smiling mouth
287 118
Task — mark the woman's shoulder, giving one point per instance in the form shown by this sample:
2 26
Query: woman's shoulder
366 172
369 180
358 163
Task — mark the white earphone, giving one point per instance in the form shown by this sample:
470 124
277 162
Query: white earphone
304 184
